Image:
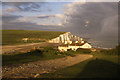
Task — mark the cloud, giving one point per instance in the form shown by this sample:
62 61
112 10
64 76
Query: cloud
27 23
78 14
110 27
24 19
25 6
44 16
59 16
39 20
96 20
30 26
7 18
11 9
49 24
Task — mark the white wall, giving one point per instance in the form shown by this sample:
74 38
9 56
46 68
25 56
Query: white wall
86 45
62 48
74 47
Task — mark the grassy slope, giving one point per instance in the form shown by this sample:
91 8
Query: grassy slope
46 54
28 57
100 66
10 37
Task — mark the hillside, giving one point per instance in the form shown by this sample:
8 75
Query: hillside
65 37
11 37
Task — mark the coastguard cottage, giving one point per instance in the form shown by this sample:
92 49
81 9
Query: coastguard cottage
74 46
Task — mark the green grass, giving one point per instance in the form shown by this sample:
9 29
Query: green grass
45 54
100 66
11 37
113 51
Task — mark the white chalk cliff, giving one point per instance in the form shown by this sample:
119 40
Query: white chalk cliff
65 37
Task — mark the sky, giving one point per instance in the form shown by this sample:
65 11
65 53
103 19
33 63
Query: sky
96 21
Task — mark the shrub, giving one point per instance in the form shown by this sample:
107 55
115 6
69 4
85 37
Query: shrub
69 50
114 51
69 53
48 48
36 52
50 53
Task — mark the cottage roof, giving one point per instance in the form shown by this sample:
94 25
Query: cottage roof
77 44
73 44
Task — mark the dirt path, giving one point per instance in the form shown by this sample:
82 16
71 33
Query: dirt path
34 69
22 48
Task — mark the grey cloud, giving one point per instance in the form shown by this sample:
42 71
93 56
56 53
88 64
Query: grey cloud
43 16
25 6
8 22
7 18
110 28
46 16
93 12
103 21
30 7
19 25
29 26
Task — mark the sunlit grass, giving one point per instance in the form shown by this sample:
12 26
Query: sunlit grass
12 37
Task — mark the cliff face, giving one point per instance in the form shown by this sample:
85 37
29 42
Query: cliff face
65 37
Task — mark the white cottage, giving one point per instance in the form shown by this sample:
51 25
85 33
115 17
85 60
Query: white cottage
63 48
25 39
86 45
74 47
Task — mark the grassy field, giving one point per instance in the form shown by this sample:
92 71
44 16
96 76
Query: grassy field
11 37
45 54
100 66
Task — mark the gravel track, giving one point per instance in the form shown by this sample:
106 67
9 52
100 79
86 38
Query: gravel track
34 69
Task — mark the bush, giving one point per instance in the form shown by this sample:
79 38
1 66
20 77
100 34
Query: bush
83 50
36 52
48 48
114 51
50 53
69 53
69 50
